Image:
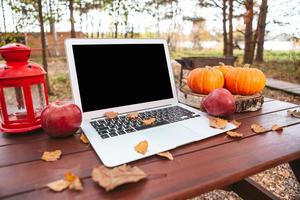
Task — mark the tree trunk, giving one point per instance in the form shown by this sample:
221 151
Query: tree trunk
43 42
4 20
261 25
53 30
224 28
230 38
248 18
72 20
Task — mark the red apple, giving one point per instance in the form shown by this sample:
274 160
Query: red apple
219 102
61 119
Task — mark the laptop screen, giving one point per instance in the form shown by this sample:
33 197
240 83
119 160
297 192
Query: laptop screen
113 75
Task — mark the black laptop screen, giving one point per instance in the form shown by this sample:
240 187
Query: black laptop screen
121 74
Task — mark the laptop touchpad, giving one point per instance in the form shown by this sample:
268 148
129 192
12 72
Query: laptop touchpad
169 136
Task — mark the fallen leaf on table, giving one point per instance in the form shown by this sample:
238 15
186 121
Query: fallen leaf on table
59 185
84 139
166 154
256 128
294 113
234 134
217 122
76 184
133 115
111 114
69 176
277 128
149 121
141 147
51 155
112 178
237 123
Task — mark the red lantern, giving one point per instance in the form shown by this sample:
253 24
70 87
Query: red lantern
23 92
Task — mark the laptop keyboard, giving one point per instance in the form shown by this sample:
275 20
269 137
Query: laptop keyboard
123 125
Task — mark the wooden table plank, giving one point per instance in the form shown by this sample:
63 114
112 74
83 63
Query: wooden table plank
190 174
32 151
73 145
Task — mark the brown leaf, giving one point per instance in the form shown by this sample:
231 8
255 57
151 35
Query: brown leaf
277 128
133 115
166 154
234 134
112 178
256 128
141 147
217 122
111 114
294 113
237 123
84 139
149 121
58 185
51 155
76 184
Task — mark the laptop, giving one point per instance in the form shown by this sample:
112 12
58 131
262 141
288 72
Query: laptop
125 76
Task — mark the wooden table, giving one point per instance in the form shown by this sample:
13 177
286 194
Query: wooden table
197 168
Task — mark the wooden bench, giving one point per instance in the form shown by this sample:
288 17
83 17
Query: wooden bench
190 63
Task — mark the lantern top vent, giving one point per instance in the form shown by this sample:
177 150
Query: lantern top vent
17 65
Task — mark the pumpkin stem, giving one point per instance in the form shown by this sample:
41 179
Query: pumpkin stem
221 63
247 65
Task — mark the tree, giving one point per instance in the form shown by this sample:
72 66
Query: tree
248 19
43 42
230 34
224 7
3 15
72 19
261 26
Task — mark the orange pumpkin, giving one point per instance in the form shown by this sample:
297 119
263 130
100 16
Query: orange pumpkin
245 80
205 80
223 68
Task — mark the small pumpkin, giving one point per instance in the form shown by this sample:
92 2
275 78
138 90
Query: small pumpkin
223 68
205 80
245 80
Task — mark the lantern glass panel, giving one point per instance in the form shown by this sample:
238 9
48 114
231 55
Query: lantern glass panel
38 98
15 103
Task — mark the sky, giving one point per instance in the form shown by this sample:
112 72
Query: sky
287 12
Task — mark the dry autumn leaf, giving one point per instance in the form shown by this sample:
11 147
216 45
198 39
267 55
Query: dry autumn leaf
59 185
166 154
236 123
294 113
112 178
149 121
51 155
111 114
277 128
234 134
76 184
84 139
141 147
217 122
256 128
133 115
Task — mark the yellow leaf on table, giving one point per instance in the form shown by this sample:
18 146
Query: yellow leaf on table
217 122
59 185
114 177
277 128
51 155
84 139
141 147
237 123
294 113
133 115
75 182
166 154
234 134
111 114
149 121
256 128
